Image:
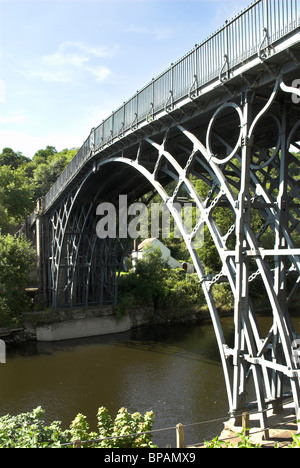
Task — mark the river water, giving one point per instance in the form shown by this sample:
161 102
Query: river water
175 371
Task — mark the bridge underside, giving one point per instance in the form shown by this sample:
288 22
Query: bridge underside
230 150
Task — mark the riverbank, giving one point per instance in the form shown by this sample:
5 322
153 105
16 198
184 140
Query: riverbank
48 325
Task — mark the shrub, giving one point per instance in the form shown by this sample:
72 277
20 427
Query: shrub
144 285
153 283
28 430
125 423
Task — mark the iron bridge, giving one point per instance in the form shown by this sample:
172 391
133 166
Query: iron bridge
226 114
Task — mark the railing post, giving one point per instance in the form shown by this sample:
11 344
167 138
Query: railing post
172 79
266 14
153 97
227 42
246 423
179 436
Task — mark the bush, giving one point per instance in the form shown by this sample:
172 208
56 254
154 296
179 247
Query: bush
28 430
170 290
123 424
181 292
144 285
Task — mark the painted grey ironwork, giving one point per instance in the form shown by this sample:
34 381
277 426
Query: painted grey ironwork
245 170
245 187
82 268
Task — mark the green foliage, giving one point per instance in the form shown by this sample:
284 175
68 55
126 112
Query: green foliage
28 430
123 424
51 165
7 224
15 197
244 442
181 292
17 257
177 247
217 443
143 285
151 271
223 296
152 283
79 429
14 160
296 440
126 423
42 156
23 181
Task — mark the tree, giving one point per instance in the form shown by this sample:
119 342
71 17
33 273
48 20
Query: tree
7 224
23 181
151 271
41 156
16 197
47 172
8 157
17 258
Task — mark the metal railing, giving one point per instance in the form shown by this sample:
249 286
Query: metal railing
251 33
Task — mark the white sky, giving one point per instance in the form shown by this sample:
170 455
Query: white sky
67 64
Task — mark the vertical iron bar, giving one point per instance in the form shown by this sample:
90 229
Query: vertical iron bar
241 302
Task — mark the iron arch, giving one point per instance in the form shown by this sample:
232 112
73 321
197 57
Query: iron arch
242 188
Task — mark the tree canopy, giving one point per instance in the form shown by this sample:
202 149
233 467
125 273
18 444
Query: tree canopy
17 258
24 180
14 160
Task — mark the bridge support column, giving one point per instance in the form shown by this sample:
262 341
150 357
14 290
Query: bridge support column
241 305
42 257
244 341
